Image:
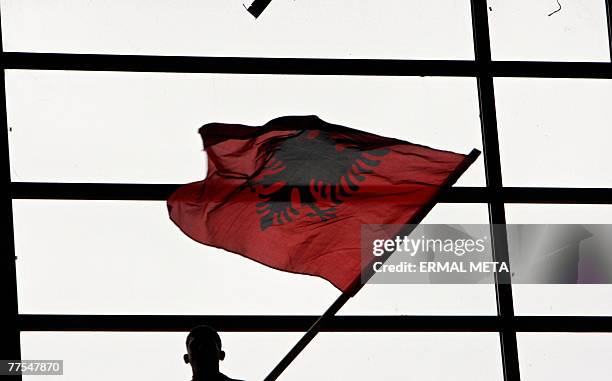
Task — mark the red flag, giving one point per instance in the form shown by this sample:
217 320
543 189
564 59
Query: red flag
293 194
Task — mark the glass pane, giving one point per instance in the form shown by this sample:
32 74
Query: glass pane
250 356
104 257
562 299
399 356
577 32
314 28
422 299
142 127
151 356
458 214
555 132
565 356
558 214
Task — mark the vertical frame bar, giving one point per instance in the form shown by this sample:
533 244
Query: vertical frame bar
11 346
497 217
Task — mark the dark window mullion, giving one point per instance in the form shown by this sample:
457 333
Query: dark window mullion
11 346
299 66
300 323
160 192
488 119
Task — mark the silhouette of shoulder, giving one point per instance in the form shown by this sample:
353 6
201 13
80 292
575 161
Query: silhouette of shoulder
231 379
223 377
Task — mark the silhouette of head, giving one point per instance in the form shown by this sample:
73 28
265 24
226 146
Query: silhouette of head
203 350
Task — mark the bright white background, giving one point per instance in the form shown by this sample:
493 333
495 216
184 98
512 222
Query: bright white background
331 356
103 257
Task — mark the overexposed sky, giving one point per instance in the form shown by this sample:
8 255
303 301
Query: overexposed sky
125 257
288 28
142 127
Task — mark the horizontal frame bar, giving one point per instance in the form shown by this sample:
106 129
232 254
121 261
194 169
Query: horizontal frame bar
284 323
306 66
160 192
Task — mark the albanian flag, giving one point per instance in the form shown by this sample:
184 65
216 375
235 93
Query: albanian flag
293 193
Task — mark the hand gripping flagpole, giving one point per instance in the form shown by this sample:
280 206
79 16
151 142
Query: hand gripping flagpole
361 279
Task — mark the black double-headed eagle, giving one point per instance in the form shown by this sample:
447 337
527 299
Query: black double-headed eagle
314 168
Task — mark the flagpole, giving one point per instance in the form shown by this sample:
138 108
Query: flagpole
358 282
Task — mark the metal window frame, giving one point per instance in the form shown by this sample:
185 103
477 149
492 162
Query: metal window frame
494 193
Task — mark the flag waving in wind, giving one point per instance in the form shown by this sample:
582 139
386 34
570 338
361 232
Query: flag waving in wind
293 193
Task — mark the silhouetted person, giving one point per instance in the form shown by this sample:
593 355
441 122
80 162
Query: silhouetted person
204 353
